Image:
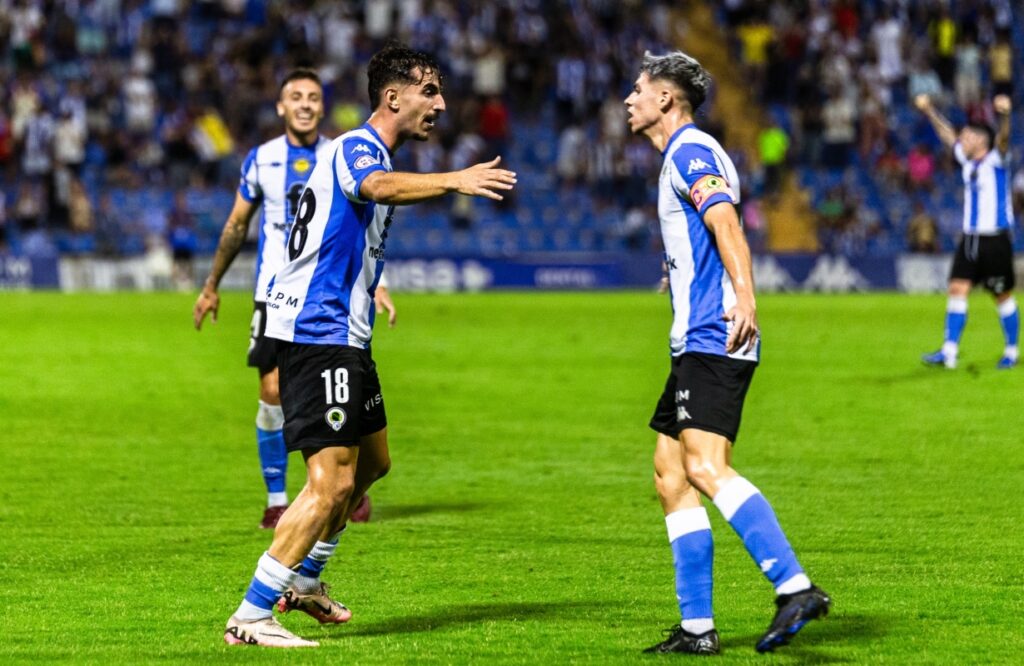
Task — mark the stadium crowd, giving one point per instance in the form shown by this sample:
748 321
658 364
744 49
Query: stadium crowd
839 76
123 122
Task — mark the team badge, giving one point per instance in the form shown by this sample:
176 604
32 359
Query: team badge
336 418
707 186
365 161
301 165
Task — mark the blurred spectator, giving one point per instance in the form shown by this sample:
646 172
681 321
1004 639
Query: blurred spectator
635 229
889 168
1018 191
943 34
494 125
489 71
924 81
4 232
922 231
755 38
1000 63
773 147
838 116
873 126
571 164
921 168
887 38
833 216
183 241
139 96
968 70
79 208
69 142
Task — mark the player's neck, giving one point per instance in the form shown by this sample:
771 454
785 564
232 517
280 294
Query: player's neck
303 140
661 132
386 130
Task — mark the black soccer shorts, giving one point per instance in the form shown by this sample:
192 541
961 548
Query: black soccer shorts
703 391
330 395
262 350
985 260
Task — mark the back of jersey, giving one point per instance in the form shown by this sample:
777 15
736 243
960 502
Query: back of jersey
324 293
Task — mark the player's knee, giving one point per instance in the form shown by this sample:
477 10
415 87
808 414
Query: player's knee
669 484
270 393
700 472
382 468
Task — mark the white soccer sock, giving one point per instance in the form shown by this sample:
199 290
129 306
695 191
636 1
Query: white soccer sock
797 583
698 627
318 556
277 499
269 574
269 417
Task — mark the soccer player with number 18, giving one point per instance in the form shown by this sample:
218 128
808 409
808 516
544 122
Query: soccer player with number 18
320 308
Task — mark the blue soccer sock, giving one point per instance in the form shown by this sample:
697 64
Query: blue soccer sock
1009 318
749 513
956 320
689 533
273 454
308 579
268 584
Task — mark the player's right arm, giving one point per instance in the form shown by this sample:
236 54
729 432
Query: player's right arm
231 239
1002 106
401 188
942 126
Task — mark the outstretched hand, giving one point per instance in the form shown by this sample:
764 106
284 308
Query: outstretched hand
1002 105
485 180
383 301
208 301
923 103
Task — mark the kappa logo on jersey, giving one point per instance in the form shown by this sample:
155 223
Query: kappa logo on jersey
696 164
302 165
336 418
365 161
361 148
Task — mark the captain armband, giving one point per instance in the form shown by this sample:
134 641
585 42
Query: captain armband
707 187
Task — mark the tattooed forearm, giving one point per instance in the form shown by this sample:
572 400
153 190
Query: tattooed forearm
231 240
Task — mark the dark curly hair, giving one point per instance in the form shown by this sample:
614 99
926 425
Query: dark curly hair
395 63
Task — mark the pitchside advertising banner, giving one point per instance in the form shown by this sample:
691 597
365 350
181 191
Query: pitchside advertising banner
772 273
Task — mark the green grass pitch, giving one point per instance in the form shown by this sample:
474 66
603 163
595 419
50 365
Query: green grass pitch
519 524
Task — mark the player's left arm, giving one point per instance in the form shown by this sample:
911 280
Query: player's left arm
1002 106
382 298
721 219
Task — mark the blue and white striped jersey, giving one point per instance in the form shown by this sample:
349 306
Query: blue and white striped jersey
324 293
273 175
988 203
697 173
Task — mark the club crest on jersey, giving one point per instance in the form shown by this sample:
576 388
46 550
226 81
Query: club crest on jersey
301 165
365 161
696 164
336 418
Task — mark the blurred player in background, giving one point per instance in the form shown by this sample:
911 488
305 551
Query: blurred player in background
273 175
715 347
985 253
320 308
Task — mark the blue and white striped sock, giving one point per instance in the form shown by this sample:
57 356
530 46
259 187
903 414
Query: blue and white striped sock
273 454
689 533
308 579
1009 319
749 513
268 584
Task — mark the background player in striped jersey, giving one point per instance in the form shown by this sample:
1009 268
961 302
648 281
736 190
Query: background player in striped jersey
985 253
715 347
273 175
320 307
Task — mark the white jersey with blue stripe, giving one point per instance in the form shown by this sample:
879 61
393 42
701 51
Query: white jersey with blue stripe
697 174
324 293
273 174
988 203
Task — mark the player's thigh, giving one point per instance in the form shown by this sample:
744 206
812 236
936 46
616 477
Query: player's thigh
331 470
374 456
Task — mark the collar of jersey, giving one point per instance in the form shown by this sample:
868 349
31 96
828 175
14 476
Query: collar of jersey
369 128
310 147
675 134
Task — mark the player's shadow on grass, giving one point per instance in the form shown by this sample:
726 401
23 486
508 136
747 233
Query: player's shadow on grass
809 647
401 511
468 614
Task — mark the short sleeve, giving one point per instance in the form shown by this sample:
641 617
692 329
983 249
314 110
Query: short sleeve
356 159
249 184
958 153
705 183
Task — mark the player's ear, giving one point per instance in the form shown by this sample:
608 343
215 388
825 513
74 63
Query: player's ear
391 98
280 110
665 98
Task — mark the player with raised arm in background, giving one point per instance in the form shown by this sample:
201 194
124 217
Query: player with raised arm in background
320 308
273 175
715 348
984 254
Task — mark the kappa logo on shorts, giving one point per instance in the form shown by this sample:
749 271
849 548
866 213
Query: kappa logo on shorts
336 418
681 413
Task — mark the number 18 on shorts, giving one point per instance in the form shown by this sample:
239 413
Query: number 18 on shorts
330 394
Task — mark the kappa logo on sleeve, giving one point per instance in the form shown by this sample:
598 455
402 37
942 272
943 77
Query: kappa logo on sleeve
361 148
697 164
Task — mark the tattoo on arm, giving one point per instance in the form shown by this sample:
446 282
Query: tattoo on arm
230 243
